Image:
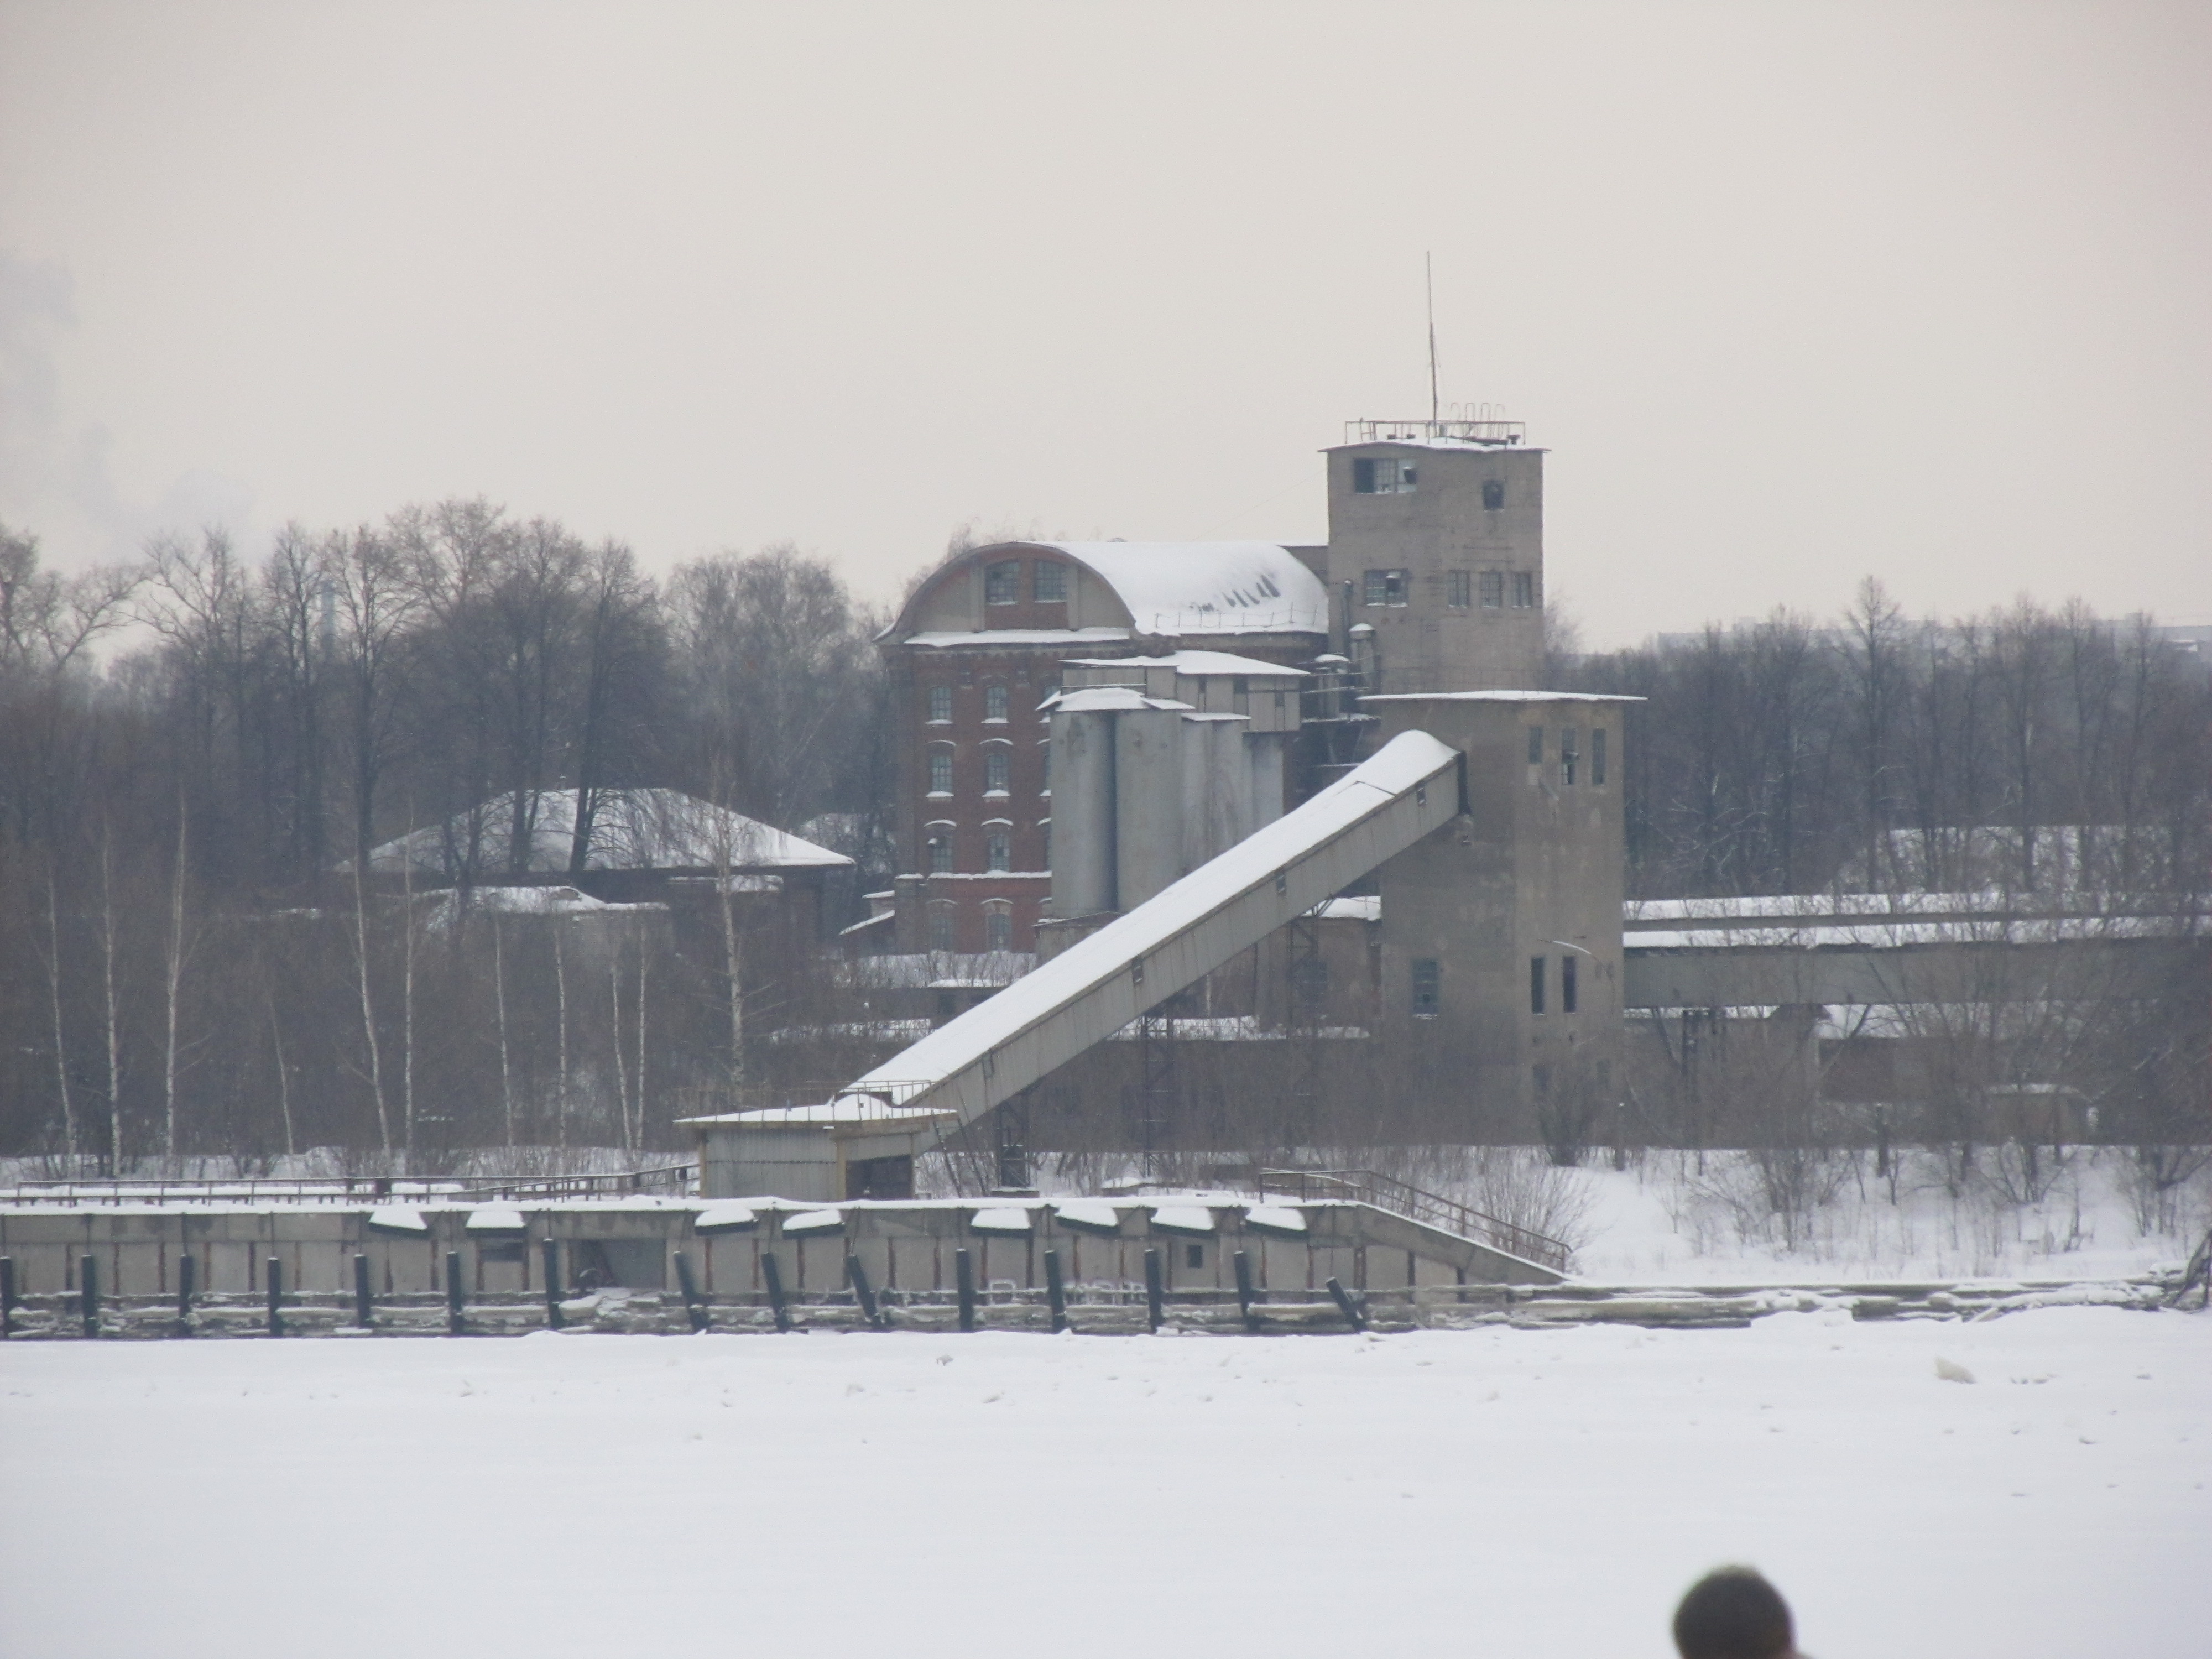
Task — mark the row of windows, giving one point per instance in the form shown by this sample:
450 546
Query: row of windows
997 702
1002 582
997 767
1461 589
1570 754
997 925
1428 978
1384 474
998 846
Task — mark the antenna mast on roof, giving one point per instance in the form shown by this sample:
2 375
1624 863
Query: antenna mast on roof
1429 279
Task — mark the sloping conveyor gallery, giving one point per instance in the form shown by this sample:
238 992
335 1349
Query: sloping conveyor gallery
1412 786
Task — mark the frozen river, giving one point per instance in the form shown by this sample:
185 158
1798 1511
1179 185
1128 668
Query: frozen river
1494 1492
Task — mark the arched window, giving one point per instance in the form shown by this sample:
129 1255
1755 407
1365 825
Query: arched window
940 770
998 769
994 701
940 703
941 918
938 844
998 850
997 925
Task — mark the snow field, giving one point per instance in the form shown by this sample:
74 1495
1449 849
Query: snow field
1496 1492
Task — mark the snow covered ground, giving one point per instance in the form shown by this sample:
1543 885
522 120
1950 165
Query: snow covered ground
1494 1492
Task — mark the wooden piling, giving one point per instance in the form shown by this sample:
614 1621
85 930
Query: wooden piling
693 1306
454 1295
1245 1294
550 1256
1056 1293
1154 1295
364 1305
88 1285
276 1288
772 1276
1345 1306
7 1297
863 1293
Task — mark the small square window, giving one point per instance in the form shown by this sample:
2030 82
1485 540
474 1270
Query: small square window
1568 987
1002 583
1536 745
1524 590
1535 985
1597 757
1459 587
1386 587
994 702
1193 1255
1050 582
1426 988
1493 495
940 702
1493 590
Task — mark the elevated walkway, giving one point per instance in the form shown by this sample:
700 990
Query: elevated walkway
1412 787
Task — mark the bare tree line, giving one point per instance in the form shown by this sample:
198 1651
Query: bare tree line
195 957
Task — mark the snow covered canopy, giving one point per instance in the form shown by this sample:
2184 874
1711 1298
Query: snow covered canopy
630 829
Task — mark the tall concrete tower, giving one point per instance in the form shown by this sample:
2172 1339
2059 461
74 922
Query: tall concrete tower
1436 554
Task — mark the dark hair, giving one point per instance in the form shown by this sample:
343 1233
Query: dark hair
1733 1614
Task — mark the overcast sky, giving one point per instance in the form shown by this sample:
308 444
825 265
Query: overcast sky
1792 293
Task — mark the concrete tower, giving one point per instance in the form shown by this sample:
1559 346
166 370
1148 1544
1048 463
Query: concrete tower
1436 554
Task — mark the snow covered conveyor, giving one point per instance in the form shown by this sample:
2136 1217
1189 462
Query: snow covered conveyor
1094 988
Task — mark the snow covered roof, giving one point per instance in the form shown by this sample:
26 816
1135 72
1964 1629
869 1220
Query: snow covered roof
1193 663
1207 587
846 1109
1498 696
631 829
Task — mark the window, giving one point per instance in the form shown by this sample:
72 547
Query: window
1387 588
940 925
1002 583
939 847
998 769
1569 755
1524 590
1493 590
1458 588
941 771
1240 694
940 703
1382 475
1044 840
1567 986
994 702
1536 745
998 925
1425 987
1535 985
1044 765
1193 1255
998 851
1597 757
1051 583
1493 495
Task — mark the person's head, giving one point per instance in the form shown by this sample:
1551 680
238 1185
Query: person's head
1734 1614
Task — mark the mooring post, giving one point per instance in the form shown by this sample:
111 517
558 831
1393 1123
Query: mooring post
1345 1306
862 1291
772 1276
188 1284
549 1252
1056 1293
453 1293
276 1296
692 1305
364 1305
1245 1295
1154 1295
963 1275
7 1296
88 1297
